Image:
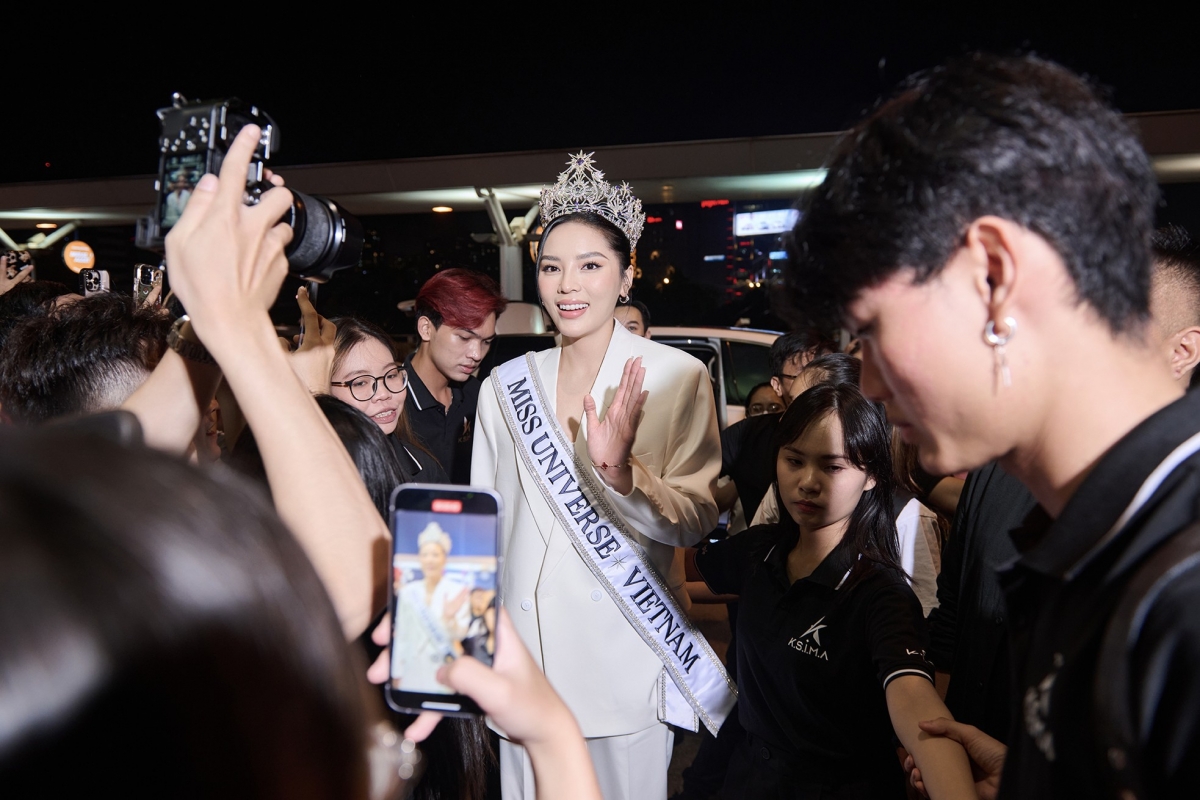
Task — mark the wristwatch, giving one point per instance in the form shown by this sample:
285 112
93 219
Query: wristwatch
182 340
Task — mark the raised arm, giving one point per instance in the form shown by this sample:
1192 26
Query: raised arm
674 504
227 264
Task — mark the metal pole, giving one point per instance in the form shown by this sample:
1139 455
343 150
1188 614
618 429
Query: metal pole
511 284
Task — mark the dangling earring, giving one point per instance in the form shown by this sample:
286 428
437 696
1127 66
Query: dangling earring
998 342
624 299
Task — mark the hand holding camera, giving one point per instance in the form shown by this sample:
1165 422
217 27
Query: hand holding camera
226 258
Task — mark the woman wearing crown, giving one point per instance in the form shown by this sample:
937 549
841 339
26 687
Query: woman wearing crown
605 450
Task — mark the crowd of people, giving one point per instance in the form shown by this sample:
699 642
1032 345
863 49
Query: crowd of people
964 565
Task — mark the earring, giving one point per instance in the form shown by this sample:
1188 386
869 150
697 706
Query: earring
998 342
623 298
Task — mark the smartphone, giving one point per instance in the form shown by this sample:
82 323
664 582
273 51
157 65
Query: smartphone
93 281
445 561
145 278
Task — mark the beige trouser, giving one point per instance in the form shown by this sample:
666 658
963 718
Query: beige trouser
630 767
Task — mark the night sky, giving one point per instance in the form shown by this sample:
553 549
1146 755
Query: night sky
399 84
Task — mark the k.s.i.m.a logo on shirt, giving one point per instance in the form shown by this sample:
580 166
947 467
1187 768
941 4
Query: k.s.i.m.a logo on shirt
809 642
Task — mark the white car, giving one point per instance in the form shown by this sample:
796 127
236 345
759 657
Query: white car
738 359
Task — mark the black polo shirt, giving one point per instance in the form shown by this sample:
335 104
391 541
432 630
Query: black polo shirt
814 657
1061 592
448 433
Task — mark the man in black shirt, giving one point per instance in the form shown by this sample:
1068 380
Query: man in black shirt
968 631
456 319
986 233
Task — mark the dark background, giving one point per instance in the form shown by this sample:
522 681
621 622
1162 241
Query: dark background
349 84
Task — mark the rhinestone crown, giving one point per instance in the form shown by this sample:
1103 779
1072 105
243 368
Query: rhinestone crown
583 188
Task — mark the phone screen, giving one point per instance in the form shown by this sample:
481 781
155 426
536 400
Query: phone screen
444 601
181 173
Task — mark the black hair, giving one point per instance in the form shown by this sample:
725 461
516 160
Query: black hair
617 241
866 437
82 357
352 331
1176 256
835 368
26 299
164 634
797 343
641 309
364 440
1018 137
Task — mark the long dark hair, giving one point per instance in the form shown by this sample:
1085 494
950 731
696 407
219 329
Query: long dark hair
866 439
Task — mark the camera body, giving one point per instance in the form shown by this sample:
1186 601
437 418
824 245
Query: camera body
194 140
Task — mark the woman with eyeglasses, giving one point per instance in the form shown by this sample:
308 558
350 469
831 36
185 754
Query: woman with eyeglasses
367 375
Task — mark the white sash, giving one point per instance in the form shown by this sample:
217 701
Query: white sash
699 690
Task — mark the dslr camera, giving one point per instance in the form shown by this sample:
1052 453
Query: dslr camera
194 140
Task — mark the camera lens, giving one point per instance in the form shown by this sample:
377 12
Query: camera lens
325 238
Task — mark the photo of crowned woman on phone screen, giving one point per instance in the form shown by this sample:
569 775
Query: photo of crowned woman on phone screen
444 583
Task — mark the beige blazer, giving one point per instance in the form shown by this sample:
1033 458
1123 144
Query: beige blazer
592 656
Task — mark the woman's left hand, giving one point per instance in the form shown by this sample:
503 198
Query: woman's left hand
610 440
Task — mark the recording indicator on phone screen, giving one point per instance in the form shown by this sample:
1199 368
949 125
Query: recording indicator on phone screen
444 580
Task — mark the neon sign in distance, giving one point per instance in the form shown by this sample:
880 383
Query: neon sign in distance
78 255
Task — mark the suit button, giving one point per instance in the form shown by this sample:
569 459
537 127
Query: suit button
596 595
764 753
526 605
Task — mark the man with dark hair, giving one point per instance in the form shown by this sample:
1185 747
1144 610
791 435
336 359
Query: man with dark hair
80 358
789 354
746 445
634 315
456 319
986 233
969 630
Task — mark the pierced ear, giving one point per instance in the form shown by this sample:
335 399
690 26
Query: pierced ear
1186 353
991 243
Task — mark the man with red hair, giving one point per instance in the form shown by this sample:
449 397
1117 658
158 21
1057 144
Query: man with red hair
456 319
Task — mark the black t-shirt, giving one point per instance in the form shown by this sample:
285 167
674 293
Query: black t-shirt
815 656
1061 594
747 458
448 433
968 631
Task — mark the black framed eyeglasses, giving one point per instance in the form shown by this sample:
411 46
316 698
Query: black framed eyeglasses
364 387
783 376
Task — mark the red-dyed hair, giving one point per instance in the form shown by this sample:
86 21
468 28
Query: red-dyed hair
459 297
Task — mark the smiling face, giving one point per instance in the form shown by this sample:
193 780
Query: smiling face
818 485
580 278
371 358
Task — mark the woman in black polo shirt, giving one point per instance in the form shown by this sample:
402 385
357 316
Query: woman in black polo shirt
831 638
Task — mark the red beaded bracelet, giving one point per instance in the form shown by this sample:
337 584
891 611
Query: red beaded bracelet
605 465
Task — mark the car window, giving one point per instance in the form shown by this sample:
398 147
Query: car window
747 364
